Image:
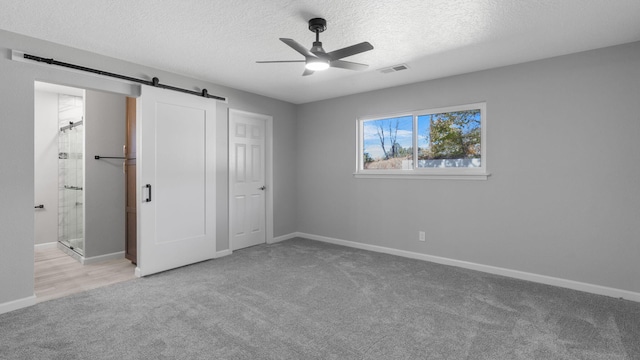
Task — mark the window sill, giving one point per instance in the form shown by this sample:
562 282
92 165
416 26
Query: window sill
421 176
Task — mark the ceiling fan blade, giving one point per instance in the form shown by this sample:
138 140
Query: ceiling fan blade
279 61
307 72
349 50
297 47
348 65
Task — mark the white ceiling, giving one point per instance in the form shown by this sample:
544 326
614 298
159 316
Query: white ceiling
219 41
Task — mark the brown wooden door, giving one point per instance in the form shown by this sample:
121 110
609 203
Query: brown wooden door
131 244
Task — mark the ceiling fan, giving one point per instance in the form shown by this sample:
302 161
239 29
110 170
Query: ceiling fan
316 59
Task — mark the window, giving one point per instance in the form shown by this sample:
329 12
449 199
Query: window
436 143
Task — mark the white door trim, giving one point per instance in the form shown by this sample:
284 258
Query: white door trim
268 172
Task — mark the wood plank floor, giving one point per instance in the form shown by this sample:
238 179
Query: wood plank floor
58 274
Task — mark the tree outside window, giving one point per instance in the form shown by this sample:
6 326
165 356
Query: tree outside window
442 138
449 136
388 143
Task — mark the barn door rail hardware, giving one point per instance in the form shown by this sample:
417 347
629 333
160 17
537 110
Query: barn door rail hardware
155 82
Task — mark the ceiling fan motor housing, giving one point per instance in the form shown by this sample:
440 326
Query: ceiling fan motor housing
317 25
317 48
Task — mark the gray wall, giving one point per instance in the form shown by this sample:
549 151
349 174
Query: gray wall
563 148
17 146
105 134
46 166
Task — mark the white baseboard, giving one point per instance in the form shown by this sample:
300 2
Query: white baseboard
284 237
48 245
100 258
222 253
543 279
17 304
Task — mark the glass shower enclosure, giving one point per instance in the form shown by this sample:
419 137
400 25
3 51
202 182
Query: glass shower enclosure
71 172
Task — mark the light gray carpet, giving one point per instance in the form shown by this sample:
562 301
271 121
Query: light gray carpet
301 299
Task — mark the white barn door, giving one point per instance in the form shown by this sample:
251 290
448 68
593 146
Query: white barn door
247 174
176 180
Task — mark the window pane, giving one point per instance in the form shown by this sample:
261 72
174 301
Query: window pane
388 143
449 139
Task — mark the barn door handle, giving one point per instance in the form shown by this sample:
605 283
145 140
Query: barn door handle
262 187
148 187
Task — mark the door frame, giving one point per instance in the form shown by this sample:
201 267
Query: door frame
268 173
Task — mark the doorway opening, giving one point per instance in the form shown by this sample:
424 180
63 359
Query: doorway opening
59 167
80 203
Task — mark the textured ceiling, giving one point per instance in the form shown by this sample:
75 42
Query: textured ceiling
220 41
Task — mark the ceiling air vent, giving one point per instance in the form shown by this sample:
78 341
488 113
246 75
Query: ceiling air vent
394 68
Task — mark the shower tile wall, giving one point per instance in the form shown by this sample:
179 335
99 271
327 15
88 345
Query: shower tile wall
70 173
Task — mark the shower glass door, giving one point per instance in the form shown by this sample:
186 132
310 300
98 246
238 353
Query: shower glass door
71 172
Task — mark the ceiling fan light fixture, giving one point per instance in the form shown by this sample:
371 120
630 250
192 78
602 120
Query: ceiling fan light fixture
316 59
317 64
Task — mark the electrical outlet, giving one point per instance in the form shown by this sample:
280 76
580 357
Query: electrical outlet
422 236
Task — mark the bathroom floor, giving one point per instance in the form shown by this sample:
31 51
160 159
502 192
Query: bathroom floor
58 274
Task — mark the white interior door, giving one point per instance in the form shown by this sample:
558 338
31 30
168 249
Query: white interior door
247 156
176 180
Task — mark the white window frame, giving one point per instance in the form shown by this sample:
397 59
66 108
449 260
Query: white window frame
451 173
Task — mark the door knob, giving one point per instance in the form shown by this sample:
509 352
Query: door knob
262 187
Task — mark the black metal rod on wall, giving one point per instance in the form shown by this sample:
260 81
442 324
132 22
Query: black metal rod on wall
98 157
155 82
